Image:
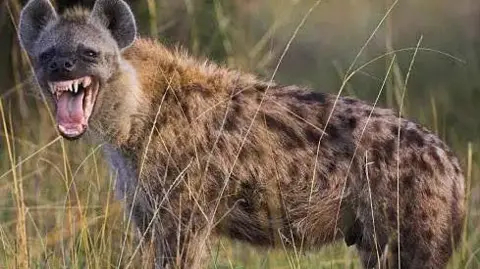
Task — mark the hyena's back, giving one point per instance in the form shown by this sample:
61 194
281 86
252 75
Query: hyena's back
272 165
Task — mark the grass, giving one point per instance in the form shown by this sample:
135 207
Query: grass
57 204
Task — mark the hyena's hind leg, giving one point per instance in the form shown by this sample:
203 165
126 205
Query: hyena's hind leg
427 239
427 244
420 247
430 227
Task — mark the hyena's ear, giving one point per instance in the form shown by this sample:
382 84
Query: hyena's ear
117 17
35 16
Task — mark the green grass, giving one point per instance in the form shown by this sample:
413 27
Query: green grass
57 207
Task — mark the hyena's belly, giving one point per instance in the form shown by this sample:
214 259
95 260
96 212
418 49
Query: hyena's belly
285 224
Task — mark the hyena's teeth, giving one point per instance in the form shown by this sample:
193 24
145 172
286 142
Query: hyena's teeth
51 86
86 82
75 86
69 85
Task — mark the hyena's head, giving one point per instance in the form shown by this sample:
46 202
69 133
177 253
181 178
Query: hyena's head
74 55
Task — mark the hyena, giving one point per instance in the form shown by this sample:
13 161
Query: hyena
202 150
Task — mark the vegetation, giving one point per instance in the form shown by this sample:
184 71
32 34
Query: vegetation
57 207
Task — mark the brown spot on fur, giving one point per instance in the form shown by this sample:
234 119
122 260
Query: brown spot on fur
316 97
232 122
383 152
392 214
413 137
348 122
293 171
332 131
394 130
409 209
331 167
350 101
249 196
457 169
292 138
313 135
409 181
390 148
298 111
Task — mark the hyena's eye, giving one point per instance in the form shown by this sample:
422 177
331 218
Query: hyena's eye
90 53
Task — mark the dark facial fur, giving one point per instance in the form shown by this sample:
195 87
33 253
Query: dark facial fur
75 45
201 150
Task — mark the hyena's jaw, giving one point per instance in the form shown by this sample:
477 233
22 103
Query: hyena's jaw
74 102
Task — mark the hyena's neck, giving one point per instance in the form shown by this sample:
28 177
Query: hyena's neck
123 108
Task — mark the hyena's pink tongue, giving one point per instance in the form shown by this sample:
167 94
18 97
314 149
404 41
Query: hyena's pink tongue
70 115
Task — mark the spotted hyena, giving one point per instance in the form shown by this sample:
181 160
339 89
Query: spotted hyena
203 150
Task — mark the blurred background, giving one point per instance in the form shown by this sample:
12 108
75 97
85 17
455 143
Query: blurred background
56 201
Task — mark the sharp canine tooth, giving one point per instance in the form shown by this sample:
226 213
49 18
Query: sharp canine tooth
51 87
86 82
75 86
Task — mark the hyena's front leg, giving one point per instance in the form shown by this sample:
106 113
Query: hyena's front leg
189 252
174 236
167 246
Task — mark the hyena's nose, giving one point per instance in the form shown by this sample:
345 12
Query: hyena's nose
53 66
65 64
68 65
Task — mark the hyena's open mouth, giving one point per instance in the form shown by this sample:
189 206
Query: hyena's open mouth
75 100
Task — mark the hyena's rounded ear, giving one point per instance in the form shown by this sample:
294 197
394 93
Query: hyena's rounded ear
35 16
118 18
